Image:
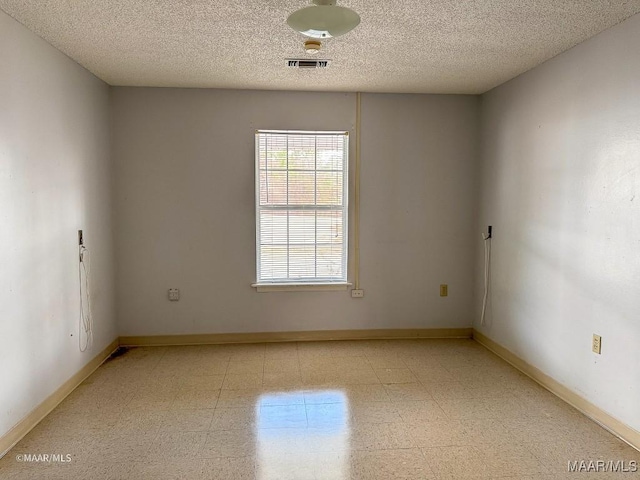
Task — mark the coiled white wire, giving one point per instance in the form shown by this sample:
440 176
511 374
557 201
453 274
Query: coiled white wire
85 322
487 266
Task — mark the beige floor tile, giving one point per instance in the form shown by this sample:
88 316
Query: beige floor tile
400 392
464 408
167 469
117 446
194 398
69 423
395 375
319 377
100 471
511 459
245 366
176 445
438 433
365 393
356 376
455 462
234 418
420 411
202 382
386 361
244 397
486 431
444 391
283 350
380 436
229 443
240 468
204 366
355 363
281 365
40 471
375 412
152 384
187 420
241 381
139 420
407 464
146 400
282 380
538 430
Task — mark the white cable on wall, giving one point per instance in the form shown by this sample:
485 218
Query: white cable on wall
487 268
356 191
85 323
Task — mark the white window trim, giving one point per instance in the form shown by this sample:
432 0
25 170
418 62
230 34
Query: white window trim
301 287
314 284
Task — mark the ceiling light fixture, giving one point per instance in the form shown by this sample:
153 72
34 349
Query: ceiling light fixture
324 19
312 46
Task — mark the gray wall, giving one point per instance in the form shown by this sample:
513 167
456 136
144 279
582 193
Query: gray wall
184 191
54 180
561 186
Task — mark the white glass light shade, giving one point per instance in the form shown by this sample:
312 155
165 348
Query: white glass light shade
323 21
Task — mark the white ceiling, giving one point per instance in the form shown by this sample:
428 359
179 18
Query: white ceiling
426 46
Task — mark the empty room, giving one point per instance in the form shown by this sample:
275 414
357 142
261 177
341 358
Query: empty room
319 239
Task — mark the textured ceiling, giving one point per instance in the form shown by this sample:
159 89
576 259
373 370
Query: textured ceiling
427 46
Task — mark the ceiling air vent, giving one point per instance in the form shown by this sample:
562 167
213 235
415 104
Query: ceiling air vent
307 63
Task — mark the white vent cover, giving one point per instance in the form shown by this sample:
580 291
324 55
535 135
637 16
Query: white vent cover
307 63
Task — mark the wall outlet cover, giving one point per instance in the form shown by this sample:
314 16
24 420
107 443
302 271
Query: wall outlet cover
596 345
357 293
444 290
174 294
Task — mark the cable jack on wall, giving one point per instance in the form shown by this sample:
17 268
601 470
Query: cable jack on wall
487 270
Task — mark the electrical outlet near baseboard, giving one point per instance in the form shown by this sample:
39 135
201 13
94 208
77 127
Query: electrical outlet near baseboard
357 293
596 344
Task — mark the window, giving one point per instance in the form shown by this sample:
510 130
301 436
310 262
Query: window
301 207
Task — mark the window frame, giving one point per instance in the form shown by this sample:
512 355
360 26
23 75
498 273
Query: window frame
315 283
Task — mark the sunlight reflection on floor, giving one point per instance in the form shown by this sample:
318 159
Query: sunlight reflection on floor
290 434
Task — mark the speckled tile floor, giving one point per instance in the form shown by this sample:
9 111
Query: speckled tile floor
410 409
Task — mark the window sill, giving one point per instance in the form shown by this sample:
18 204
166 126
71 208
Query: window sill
300 287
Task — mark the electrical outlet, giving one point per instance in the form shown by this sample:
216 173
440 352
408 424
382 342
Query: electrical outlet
357 293
444 290
596 344
174 294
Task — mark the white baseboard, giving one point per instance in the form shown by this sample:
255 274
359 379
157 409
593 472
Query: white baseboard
615 426
24 426
317 335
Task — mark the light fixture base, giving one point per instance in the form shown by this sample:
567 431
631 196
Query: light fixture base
312 47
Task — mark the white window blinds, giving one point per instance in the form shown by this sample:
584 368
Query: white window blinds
301 206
